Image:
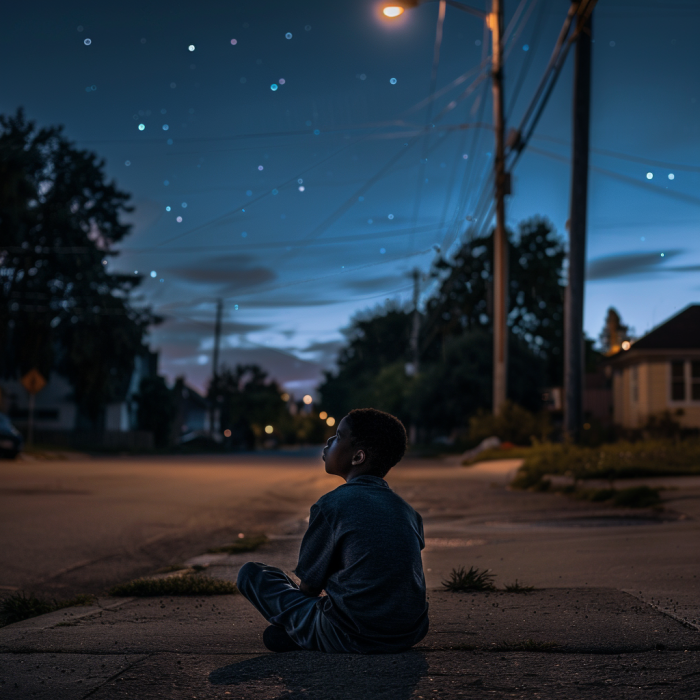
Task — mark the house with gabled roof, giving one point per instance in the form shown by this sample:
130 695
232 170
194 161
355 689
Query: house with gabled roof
659 372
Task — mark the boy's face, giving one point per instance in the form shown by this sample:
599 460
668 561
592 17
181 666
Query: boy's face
339 454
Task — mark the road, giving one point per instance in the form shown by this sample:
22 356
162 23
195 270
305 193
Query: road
77 526
69 526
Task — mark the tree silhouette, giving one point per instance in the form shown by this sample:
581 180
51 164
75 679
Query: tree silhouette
60 308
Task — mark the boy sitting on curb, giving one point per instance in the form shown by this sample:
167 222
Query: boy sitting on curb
362 547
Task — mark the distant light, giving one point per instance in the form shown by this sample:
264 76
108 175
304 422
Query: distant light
234 42
317 132
191 47
244 234
87 42
308 27
227 433
650 176
127 163
235 306
260 167
323 415
169 142
153 273
173 85
300 181
392 11
275 191
142 127
465 156
167 208
274 87
382 251
285 397
179 219
526 47
249 193
671 176
307 399
626 345
184 205
281 81
288 35
663 255
165 127
166 182
301 188
269 429
391 217
612 43
392 81
330 421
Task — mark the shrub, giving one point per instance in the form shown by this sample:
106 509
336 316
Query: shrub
21 606
513 424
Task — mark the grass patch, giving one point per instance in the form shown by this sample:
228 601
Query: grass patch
249 543
517 588
190 584
22 606
621 460
525 645
461 580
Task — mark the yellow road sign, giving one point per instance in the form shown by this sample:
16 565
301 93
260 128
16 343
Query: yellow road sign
33 382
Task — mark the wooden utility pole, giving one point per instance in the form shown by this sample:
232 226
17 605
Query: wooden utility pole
215 363
500 242
574 355
415 352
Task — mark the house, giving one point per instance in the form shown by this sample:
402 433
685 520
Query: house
659 372
57 420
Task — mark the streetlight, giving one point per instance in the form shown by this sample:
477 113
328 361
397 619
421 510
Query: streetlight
494 21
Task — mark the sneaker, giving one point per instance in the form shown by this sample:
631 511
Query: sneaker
276 639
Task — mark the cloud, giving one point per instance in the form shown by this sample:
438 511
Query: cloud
234 272
386 284
622 265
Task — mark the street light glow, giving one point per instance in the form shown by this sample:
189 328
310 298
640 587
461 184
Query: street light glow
393 11
323 415
330 421
308 399
269 429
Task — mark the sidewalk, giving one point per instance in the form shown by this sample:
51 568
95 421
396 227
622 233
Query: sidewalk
616 615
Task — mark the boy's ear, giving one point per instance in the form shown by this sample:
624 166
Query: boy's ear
358 458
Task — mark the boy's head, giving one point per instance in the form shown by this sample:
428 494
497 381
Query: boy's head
367 441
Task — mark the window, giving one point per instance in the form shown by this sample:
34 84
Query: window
678 380
635 384
695 380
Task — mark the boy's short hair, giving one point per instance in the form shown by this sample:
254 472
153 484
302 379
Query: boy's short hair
380 434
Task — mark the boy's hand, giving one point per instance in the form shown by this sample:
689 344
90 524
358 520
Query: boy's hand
307 590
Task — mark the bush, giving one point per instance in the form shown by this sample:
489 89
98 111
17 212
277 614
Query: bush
513 424
461 580
622 460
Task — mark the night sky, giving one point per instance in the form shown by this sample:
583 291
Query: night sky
274 156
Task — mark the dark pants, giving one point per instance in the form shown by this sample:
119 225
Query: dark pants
281 603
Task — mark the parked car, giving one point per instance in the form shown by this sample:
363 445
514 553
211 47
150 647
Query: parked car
11 439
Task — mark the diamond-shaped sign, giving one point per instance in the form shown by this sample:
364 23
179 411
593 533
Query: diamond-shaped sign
33 382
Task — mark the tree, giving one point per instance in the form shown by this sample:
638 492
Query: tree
156 409
463 301
247 401
614 333
60 308
371 366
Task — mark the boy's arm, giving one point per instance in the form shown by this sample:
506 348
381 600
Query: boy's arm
315 554
309 591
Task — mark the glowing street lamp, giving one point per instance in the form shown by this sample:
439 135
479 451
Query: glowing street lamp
392 11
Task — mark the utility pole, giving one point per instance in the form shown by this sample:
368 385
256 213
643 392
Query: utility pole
574 355
215 363
415 354
500 242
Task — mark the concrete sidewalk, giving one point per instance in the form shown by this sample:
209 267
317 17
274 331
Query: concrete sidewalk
586 643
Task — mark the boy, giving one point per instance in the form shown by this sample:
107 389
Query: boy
362 547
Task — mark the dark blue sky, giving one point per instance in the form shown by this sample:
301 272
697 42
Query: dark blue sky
299 262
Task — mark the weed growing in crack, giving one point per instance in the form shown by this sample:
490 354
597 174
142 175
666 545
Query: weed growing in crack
461 580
